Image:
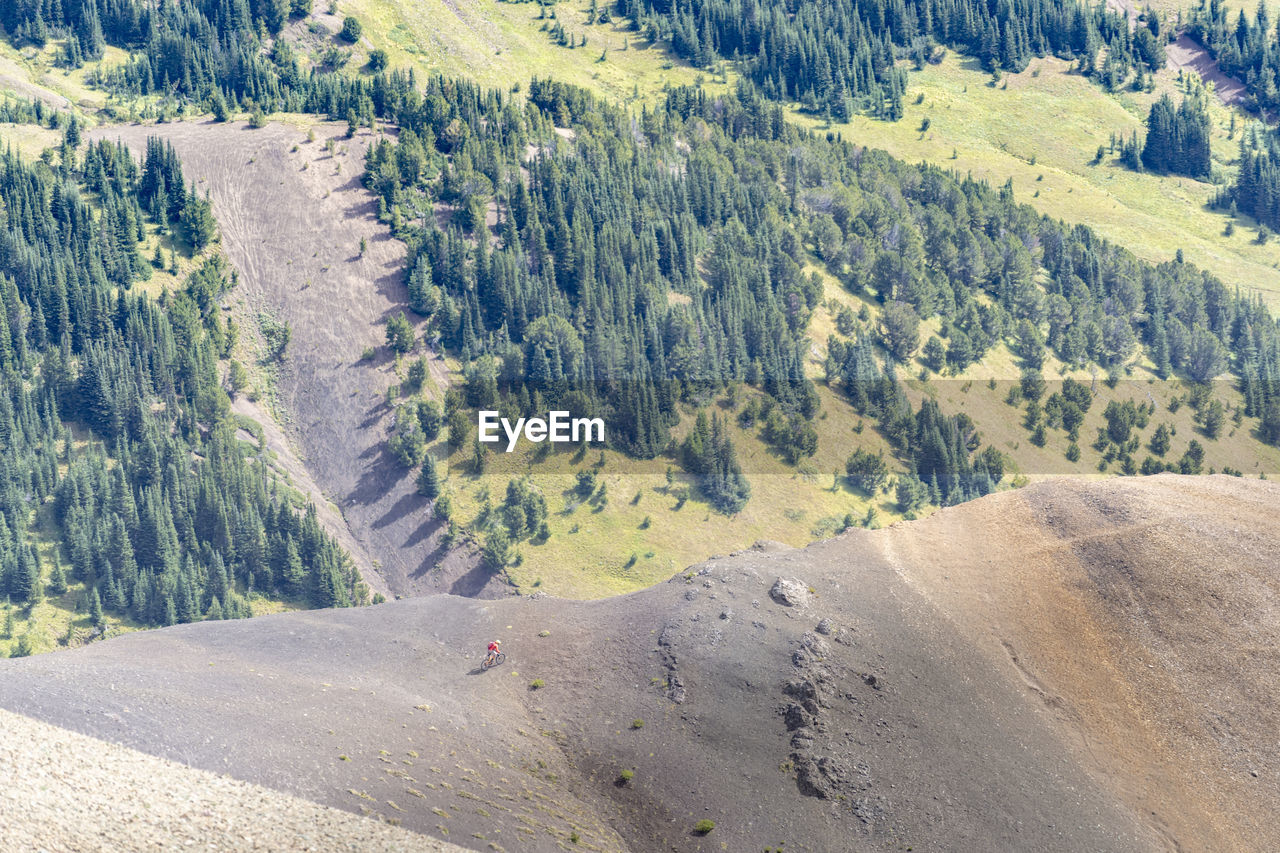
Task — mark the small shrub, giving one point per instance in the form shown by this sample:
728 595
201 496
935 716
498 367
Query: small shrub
537 684
626 776
637 724
351 29
704 826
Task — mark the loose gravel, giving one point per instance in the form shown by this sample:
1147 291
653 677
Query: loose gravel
64 791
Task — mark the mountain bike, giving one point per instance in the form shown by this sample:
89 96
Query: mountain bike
492 659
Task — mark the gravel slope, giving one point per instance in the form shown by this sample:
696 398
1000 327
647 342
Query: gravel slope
1145 615
307 269
1071 666
64 791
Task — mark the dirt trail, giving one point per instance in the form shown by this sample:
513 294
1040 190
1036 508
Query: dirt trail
292 216
1071 666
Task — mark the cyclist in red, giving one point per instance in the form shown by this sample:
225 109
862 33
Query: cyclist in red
494 648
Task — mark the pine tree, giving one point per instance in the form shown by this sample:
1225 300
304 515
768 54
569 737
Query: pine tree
497 548
57 580
96 617
25 583
292 574
399 334
429 479
197 221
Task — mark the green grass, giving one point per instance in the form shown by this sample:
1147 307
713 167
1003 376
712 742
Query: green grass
29 140
499 44
32 72
589 554
1002 425
1043 131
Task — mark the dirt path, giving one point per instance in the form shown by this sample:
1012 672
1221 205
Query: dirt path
292 215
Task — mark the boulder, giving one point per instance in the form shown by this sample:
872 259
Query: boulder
790 592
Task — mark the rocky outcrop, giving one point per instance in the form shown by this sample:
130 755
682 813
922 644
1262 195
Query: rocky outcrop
790 592
825 762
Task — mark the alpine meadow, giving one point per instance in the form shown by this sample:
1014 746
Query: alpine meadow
339 338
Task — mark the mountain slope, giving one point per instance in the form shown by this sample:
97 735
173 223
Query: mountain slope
1143 616
293 215
1031 670
169 806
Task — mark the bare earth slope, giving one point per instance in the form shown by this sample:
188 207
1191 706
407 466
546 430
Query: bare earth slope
306 268
1143 613
1072 666
62 791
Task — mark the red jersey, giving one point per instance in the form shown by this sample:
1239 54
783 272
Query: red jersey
493 647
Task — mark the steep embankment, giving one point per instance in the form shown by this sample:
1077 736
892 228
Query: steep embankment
1071 666
292 214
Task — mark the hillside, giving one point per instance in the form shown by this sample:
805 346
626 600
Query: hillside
289 201
993 132
892 290
293 216
1068 666
169 805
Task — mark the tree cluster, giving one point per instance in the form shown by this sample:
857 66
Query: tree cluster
839 56
1244 46
112 411
1178 139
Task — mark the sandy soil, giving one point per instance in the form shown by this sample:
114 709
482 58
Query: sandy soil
1066 667
291 224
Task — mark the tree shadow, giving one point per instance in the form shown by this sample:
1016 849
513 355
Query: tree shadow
407 504
379 478
473 582
424 531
